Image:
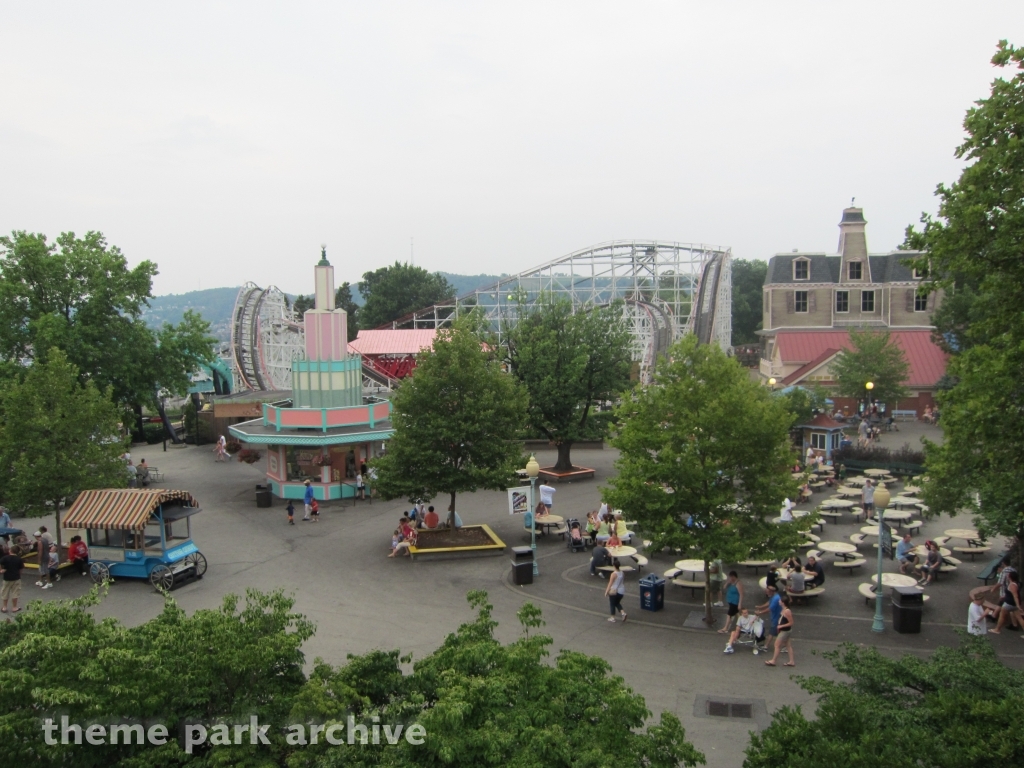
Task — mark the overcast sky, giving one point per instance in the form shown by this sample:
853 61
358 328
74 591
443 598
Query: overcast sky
226 141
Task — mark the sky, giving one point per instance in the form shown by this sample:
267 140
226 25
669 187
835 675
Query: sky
227 141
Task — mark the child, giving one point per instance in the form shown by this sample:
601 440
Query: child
396 539
976 616
314 510
360 486
291 513
52 564
614 540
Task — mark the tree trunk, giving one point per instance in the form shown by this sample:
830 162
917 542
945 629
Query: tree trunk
140 434
451 513
564 463
169 430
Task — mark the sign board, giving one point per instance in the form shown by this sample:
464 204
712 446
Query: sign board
887 541
518 501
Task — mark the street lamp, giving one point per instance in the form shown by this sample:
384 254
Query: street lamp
867 396
882 498
532 470
771 382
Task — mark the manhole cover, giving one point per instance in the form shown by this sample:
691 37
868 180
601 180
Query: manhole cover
753 711
741 710
718 709
725 709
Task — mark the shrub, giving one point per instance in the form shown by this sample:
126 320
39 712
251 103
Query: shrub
879 455
249 456
153 433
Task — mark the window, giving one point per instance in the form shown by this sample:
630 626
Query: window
842 301
855 270
920 303
801 269
920 274
818 441
867 301
800 301
836 439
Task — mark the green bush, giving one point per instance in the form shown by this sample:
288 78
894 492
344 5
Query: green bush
154 433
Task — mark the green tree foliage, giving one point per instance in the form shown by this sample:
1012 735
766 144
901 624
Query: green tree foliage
395 291
804 402
747 299
569 362
79 295
57 437
873 357
959 708
705 460
457 420
342 300
974 253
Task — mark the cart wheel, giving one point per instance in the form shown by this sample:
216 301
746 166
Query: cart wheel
99 572
197 559
161 578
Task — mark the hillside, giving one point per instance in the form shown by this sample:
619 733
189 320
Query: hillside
216 304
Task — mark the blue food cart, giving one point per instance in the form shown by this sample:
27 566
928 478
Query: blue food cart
140 533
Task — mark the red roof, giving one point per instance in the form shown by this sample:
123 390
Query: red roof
393 342
804 348
824 421
799 373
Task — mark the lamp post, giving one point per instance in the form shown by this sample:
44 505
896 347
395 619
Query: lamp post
532 470
867 396
881 502
771 382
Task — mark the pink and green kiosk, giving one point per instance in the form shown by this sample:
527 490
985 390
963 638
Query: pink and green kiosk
327 428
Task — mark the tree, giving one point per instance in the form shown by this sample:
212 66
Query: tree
804 402
457 420
747 299
568 362
342 300
57 437
958 709
705 460
79 295
874 358
973 252
395 291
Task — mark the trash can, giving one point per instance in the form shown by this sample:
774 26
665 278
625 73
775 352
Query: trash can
522 565
652 593
263 496
907 606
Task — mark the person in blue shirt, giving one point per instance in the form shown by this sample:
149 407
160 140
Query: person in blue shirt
308 501
905 553
774 609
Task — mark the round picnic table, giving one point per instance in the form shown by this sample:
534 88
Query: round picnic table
690 566
894 514
909 490
876 472
836 504
836 547
549 521
904 501
894 580
872 530
967 534
622 551
844 490
856 480
920 551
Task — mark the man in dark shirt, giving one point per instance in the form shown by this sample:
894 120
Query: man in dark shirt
815 573
11 567
599 558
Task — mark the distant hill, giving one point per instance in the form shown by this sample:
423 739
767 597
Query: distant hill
217 304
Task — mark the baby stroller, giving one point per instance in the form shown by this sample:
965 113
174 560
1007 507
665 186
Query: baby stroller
577 542
754 636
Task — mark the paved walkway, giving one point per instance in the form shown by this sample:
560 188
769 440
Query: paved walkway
360 599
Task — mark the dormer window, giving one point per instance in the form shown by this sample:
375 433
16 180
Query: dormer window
855 270
801 269
920 274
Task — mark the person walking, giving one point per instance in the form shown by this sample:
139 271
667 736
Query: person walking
11 567
783 638
547 497
773 607
868 499
615 590
290 509
307 500
734 599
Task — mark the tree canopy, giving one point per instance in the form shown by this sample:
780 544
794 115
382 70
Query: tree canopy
747 299
705 459
959 708
457 422
395 291
568 362
873 357
478 701
57 437
973 252
79 295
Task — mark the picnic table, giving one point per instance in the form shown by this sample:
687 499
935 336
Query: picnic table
920 551
904 501
872 530
690 566
876 472
622 551
894 580
836 504
840 548
547 522
844 490
899 515
856 480
967 534
909 490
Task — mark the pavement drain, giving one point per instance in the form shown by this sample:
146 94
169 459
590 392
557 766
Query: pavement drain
725 707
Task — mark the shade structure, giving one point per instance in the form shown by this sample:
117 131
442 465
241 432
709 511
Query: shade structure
121 509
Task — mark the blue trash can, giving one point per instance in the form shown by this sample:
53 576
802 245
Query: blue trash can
652 593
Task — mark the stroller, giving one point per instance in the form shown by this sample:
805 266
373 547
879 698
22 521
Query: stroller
754 637
577 542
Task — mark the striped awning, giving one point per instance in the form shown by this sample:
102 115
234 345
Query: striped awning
120 509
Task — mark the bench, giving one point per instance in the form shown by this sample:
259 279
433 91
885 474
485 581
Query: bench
941 540
850 564
693 586
640 560
857 539
914 526
834 515
806 593
902 415
972 551
869 593
989 571
814 553
671 573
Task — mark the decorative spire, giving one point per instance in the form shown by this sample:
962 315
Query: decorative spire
323 257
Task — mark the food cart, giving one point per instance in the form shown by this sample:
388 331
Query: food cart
141 533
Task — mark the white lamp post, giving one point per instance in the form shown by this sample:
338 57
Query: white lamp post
532 470
882 498
771 382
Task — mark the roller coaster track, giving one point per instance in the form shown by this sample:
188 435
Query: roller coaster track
245 335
